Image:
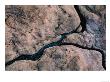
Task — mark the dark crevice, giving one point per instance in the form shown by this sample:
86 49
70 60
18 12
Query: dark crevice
82 18
83 24
39 54
92 48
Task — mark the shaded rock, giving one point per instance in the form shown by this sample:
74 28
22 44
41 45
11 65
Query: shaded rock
95 23
95 8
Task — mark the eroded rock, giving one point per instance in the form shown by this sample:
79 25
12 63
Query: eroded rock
30 28
61 58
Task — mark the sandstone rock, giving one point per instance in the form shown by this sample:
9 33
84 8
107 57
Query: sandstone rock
30 28
84 39
22 66
95 23
65 58
73 58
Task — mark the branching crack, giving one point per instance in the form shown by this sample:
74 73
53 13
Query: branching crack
39 54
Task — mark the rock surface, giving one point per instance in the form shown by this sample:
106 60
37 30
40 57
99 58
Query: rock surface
70 58
29 28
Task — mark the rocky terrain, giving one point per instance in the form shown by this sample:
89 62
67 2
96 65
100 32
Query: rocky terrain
55 38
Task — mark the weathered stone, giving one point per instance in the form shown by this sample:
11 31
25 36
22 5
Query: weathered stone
22 66
84 39
95 16
70 58
30 28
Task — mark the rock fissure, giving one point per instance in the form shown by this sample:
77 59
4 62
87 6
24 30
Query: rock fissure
39 54
60 42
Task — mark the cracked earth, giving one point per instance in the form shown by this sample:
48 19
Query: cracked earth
55 38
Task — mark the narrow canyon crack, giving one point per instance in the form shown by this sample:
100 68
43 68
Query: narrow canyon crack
39 54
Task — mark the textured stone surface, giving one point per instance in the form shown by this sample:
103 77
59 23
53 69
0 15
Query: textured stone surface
84 39
22 66
29 28
71 58
63 58
95 23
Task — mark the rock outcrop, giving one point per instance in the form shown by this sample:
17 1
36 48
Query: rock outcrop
70 38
